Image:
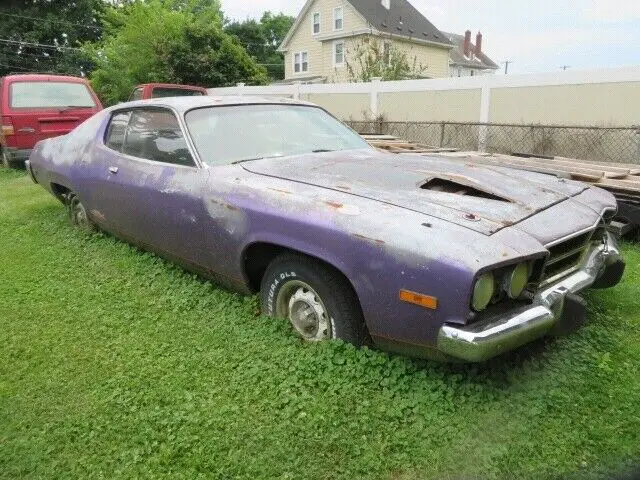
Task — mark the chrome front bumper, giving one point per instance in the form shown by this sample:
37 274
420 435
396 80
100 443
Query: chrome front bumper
493 336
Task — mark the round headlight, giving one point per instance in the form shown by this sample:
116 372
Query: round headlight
483 292
516 281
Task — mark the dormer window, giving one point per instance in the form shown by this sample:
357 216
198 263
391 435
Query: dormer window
386 4
316 23
338 18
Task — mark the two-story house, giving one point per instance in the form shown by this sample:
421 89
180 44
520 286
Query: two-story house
326 32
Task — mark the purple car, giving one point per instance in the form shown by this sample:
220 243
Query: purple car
420 255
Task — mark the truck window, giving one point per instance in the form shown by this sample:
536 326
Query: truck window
50 95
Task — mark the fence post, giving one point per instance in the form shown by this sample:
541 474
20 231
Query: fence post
296 90
240 88
375 89
485 104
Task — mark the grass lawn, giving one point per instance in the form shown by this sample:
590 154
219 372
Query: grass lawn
117 364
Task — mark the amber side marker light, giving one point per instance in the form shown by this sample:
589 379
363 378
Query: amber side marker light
418 299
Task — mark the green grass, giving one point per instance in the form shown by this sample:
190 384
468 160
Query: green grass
117 364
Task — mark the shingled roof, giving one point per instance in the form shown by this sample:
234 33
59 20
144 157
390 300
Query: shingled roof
401 19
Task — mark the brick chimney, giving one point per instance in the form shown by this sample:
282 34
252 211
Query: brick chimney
467 43
478 44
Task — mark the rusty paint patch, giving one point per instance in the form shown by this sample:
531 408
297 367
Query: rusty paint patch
98 215
285 192
369 239
334 204
343 187
225 205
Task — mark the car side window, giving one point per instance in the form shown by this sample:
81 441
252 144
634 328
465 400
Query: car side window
136 94
116 132
154 134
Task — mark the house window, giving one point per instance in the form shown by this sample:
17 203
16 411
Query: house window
338 18
338 54
301 62
316 23
386 53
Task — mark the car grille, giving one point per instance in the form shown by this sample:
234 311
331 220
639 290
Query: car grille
565 257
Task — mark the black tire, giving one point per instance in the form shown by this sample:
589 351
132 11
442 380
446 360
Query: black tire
329 288
78 215
5 157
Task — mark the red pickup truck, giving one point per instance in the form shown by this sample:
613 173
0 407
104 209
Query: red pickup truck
161 90
34 107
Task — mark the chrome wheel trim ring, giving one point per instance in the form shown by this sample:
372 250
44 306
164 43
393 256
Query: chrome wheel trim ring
79 214
303 307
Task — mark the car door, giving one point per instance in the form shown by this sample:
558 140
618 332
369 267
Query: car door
151 190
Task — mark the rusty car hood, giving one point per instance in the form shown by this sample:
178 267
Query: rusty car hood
482 198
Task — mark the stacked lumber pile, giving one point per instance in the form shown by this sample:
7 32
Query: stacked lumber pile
611 176
395 145
618 177
623 180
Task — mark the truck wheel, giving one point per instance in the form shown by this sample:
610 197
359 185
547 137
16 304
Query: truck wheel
78 214
6 158
319 302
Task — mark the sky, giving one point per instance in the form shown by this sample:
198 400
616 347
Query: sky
536 35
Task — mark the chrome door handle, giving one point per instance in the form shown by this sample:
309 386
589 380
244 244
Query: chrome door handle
113 170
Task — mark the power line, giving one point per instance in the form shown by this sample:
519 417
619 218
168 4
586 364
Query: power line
41 45
41 19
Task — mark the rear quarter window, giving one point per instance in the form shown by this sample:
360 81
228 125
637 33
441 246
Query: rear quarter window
50 95
117 130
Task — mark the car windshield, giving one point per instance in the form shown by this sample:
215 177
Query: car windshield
163 92
224 135
50 95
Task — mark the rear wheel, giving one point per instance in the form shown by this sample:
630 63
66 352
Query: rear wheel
6 158
78 214
318 301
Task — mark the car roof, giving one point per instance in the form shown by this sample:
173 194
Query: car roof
183 104
171 85
37 77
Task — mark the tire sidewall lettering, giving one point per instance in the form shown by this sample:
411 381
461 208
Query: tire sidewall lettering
273 289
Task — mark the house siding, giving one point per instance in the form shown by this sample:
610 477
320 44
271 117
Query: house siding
304 40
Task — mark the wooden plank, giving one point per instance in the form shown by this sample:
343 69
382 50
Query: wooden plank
378 137
633 167
582 172
492 161
619 186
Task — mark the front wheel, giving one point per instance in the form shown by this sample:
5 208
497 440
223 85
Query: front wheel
318 301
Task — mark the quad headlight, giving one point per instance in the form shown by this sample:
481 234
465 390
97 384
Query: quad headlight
483 292
515 281
511 281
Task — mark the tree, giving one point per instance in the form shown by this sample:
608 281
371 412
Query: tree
369 58
173 41
44 35
262 39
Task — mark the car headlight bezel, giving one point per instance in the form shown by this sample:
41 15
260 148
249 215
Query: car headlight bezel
516 280
484 289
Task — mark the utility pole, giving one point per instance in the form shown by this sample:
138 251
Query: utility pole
565 67
506 66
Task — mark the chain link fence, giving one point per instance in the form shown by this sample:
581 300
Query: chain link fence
602 144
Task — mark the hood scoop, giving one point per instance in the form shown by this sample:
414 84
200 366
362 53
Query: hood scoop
456 187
